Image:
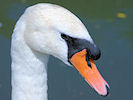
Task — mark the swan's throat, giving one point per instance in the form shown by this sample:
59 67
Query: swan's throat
29 73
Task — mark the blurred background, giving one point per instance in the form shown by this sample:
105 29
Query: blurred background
110 23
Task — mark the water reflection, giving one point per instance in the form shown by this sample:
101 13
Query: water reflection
109 23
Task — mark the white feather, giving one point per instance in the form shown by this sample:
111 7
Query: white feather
35 37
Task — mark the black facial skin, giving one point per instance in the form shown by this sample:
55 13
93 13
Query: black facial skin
75 45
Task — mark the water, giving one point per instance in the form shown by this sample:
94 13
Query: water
109 23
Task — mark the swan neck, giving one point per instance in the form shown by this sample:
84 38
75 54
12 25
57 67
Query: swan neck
29 69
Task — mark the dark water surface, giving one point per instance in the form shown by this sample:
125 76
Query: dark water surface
110 23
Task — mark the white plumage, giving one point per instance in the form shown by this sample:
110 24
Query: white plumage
37 35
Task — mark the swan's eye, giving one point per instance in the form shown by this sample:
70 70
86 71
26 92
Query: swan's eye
65 37
77 44
68 39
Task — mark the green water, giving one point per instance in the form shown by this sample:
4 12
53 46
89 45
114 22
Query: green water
110 23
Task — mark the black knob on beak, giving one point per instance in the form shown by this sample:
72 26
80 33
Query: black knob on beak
75 45
93 52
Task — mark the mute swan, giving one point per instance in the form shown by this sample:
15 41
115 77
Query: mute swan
47 29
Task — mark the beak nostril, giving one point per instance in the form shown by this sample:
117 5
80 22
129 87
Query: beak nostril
87 60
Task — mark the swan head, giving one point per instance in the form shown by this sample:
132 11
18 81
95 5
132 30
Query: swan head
53 30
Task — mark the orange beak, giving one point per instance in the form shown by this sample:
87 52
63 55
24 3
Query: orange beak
90 72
